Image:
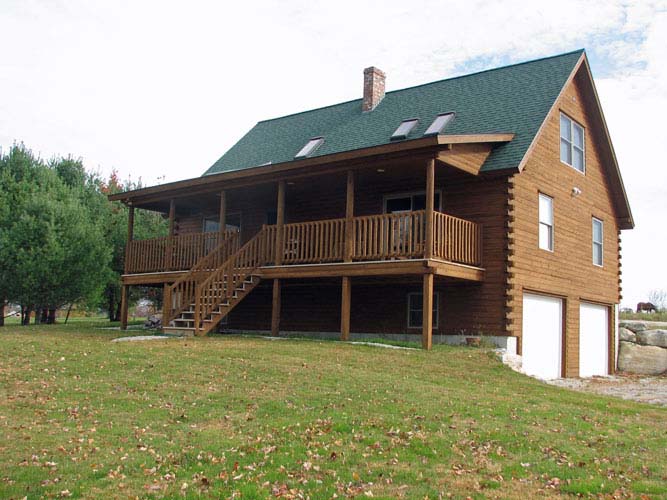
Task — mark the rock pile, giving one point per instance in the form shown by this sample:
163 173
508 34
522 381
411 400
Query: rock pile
642 349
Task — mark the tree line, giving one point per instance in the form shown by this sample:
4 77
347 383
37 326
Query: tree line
61 241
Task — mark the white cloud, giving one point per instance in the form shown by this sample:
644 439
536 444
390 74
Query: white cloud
160 88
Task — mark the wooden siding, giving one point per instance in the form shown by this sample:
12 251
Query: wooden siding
568 271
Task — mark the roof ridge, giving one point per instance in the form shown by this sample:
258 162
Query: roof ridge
426 84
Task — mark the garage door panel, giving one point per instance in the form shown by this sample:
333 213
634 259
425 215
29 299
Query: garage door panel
542 336
593 340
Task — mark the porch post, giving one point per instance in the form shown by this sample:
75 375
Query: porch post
427 312
223 211
130 237
123 306
349 215
170 237
430 200
345 305
275 309
280 221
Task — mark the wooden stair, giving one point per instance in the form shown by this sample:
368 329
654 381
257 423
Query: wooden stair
204 298
185 322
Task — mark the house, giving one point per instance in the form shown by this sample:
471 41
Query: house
490 203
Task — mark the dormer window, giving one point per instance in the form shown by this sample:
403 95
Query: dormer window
310 147
439 123
572 143
404 129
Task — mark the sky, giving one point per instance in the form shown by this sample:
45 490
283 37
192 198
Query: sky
159 90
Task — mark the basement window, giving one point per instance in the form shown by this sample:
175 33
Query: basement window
439 124
416 309
310 147
404 129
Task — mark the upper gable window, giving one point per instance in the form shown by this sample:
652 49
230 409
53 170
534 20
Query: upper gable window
439 123
404 129
572 143
310 147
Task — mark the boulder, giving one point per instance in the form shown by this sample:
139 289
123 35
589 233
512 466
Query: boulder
656 338
626 335
634 326
644 359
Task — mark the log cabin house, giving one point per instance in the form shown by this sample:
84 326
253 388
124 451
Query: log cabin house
490 203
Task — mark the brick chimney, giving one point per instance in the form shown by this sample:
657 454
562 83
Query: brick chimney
373 88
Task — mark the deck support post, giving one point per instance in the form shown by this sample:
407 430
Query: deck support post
223 213
130 237
349 218
124 289
430 201
427 312
345 305
280 222
170 237
275 309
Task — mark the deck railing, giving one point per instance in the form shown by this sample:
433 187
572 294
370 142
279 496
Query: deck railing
389 236
457 240
170 254
375 237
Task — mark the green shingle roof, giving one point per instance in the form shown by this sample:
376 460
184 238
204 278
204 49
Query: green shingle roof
512 99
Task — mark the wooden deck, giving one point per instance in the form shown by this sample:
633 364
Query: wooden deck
378 241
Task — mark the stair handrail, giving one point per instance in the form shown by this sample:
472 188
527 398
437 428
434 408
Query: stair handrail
219 286
185 286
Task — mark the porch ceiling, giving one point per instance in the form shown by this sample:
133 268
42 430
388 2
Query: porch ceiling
203 190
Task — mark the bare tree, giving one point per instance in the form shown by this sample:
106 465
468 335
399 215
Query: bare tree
658 298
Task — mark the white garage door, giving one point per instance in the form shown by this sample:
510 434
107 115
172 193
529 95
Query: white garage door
593 340
542 336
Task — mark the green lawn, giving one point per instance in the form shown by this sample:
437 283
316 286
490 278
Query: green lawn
255 418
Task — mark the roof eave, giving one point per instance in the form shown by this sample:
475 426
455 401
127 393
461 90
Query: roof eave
424 143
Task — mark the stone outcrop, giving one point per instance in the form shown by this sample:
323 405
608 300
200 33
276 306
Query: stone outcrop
657 338
642 349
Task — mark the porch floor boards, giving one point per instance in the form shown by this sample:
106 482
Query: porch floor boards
338 269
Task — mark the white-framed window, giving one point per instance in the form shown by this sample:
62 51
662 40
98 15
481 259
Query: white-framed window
546 222
572 143
416 310
598 245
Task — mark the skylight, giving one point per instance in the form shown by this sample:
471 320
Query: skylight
404 129
310 147
439 123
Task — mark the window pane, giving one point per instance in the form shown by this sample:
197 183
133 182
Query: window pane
416 302
597 231
415 318
211 225
404 129
597 254
399 204
565 152
578 136
546 240
419 202
439 124
578 158
546 210
310 147
565 127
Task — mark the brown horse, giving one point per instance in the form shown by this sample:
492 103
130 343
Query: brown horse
646 307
